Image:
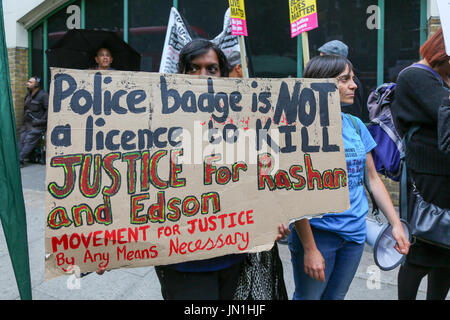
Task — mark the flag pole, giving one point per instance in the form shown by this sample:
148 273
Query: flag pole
243 56
305 45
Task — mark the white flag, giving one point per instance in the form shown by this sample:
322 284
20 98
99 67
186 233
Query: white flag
177 36
225 40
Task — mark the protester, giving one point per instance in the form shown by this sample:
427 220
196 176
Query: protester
254 284
234 60
34 122
215 278
103 59
326 251
418 97
359 107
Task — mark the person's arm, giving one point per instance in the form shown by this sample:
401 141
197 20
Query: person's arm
384 202
314 263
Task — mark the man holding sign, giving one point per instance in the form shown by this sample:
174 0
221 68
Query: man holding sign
214 278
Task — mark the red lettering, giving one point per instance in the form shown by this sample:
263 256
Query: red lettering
249 217
87 189
120 235
113 174
232 224
176 168
97 240
264 167
312 174
209 169
136 207
144 234
154 178
68 163
88 240
56 242
131 158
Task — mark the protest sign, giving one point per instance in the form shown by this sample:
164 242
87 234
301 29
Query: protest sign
303 16
238 21
444 13
177 36
153 169
225 40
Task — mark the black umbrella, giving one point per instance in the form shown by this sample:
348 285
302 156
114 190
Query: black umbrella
77 49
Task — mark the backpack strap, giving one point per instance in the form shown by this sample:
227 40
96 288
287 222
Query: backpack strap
404 177
424 67
375 209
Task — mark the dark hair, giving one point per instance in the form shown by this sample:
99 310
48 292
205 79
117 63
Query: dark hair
327 66
102 47
433 50
198 47
38 81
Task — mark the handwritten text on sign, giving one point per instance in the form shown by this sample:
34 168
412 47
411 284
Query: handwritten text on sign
150 169
238 20
303 16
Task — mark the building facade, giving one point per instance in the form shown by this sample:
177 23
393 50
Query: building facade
383 36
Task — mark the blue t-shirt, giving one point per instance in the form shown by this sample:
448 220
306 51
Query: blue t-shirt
351 224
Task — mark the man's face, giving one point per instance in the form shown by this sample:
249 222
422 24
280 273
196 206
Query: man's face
236 72
205 64
103 59
31 84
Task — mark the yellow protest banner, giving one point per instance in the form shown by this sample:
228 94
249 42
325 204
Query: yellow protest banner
303 16
238 21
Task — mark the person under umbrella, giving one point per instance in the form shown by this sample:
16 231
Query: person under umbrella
80 49
103 59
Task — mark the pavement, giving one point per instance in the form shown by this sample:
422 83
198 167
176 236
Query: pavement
370 283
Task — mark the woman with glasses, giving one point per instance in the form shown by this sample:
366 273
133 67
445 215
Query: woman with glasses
326 251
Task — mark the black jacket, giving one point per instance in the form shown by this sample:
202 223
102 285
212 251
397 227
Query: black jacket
418 96
36 109
444 126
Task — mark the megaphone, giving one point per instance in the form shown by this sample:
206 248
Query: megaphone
379 237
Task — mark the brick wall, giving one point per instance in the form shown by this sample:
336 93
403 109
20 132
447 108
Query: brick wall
392 187
18 71
434 23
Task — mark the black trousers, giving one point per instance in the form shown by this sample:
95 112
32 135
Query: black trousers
214 285
29 138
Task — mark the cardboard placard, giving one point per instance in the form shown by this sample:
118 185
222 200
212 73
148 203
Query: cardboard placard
153 169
